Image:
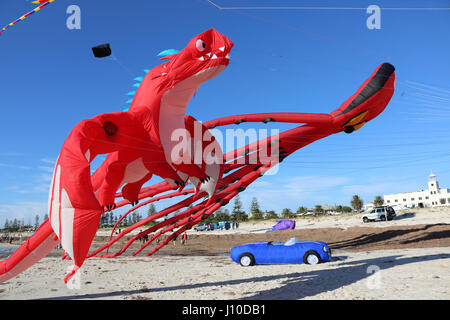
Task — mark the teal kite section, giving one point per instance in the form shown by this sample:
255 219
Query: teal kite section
167 52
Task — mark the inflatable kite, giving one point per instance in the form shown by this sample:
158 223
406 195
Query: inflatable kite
43 3
101 51
283 225
154 137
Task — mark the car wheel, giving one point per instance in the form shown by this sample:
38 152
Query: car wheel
383 218
365 220
311 257
246 259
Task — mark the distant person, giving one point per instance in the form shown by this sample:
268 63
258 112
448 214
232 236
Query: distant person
184 239
174 241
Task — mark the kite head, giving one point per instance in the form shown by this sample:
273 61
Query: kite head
205 56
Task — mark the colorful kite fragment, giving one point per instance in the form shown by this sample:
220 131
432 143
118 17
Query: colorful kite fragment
43 3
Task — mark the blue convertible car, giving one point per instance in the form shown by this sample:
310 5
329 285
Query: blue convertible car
291 251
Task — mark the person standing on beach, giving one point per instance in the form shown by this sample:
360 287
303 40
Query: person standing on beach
174 241
184 238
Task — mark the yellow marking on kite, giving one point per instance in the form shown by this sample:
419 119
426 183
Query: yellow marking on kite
357 119
359 126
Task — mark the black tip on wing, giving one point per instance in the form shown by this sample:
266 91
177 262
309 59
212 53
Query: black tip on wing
375 84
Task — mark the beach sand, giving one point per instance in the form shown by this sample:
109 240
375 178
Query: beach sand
400 274
408 258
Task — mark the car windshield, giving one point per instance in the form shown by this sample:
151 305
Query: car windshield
274 243
291 241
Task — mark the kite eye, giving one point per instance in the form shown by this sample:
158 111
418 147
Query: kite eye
200 44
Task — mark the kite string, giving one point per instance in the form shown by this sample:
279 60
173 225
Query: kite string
114 58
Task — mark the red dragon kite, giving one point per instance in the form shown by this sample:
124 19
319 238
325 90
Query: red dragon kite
140 143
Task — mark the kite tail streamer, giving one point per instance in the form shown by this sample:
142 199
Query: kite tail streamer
44 3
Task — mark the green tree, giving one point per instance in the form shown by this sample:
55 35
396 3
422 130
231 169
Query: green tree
258 216
15 225
301 210
238 214
255 211
221 215
378 201
318 210
151 210
287 213
237 206
254 208
346 209
36 221
126 221
134 217
111 218
271 215
138 216
356 203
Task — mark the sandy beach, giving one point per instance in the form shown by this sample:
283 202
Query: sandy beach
407 258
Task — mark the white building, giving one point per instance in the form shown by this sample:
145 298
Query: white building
368 206
432 197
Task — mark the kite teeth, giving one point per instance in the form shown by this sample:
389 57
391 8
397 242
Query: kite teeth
227 56
201 58
209 54
214 56
222 48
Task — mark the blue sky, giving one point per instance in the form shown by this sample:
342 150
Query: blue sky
283 61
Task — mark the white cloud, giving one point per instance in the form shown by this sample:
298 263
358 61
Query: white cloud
49 161
22 210
11 154
292 192
7 165
366 189
46 168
